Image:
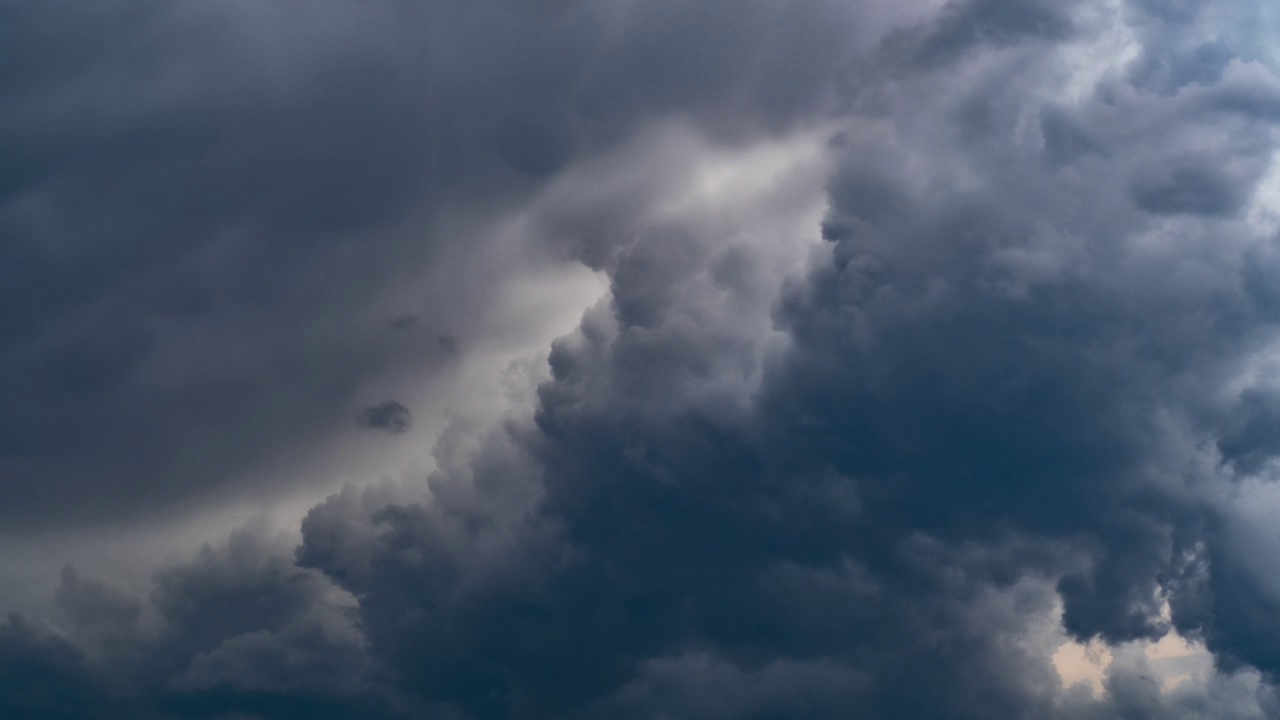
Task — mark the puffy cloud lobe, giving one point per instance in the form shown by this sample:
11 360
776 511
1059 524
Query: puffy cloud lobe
43 676
1009 382
239 630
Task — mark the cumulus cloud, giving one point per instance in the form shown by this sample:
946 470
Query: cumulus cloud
929 350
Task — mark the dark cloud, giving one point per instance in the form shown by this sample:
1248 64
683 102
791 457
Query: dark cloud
390 416
990 403
178 199
238 631
965 24
104 619
1186 188
1064 141
1014 397
209 205
984 406
44 676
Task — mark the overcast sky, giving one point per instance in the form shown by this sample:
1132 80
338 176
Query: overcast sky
639 359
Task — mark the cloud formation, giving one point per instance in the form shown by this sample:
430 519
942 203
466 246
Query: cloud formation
938 337
213 208
390 416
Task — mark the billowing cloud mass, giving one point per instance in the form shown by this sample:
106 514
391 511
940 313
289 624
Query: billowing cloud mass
934 376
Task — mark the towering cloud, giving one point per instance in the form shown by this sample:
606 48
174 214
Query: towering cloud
938 338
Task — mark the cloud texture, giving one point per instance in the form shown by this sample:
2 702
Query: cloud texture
939 336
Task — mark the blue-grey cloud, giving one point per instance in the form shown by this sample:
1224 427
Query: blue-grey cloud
1021 372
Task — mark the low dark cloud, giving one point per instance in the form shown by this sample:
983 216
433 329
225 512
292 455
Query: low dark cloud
44 676
390 416
1015 394
239 631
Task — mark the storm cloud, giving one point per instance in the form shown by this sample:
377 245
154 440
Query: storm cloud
211 210
939 340
390 416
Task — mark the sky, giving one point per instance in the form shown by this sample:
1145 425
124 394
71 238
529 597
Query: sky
639 359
